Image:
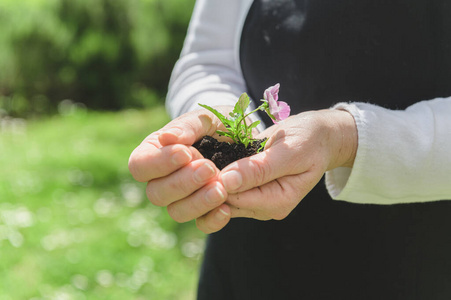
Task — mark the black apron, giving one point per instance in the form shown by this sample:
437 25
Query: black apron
390 53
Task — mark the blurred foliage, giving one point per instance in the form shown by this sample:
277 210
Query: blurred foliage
75 225
107 54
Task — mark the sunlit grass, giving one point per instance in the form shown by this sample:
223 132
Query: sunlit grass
75 225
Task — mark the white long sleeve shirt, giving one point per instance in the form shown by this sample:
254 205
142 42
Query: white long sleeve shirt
403 156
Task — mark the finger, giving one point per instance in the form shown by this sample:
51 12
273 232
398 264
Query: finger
198 204
215 220
189 128
182 183
257 170
148 161
274 200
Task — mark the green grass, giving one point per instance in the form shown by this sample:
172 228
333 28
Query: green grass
75 225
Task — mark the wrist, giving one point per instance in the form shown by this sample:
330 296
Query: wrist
344 139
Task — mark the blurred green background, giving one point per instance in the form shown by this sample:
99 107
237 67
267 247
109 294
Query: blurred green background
82 82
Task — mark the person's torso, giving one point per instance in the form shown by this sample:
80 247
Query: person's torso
390 53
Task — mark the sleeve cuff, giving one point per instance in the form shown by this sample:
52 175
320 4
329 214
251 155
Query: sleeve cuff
402 155
339 181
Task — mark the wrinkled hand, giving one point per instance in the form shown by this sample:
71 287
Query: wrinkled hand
177 175
270 184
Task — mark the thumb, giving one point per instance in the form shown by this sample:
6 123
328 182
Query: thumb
256 170
186 129
191 127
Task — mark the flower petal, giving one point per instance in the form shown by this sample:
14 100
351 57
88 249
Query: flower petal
272 104
273 91
284 111
277 110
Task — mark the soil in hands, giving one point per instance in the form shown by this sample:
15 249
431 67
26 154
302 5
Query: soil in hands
224 153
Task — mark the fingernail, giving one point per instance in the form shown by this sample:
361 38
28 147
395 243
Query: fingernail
214 196
222 215
232 180
203 173
181 157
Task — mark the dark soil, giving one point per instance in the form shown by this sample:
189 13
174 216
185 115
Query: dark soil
224 153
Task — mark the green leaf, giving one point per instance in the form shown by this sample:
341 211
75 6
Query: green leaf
253 125
236 123
221 117
224 133
234 116
262 146
245 141
242 104
250 127
227 134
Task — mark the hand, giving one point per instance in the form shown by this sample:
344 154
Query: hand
178 176
270 184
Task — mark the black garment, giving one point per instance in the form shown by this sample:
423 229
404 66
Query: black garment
391 53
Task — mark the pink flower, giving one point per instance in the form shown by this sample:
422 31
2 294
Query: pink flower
278 110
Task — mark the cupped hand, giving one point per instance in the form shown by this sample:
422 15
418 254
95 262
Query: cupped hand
270 184
177 175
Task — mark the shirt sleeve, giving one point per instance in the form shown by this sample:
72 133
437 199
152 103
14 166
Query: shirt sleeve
403 156
208 70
